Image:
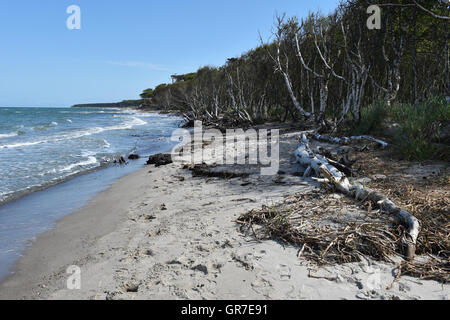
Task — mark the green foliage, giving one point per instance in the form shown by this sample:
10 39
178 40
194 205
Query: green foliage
160 87
184 77
254 87
147 93
371 118
420 126
131 102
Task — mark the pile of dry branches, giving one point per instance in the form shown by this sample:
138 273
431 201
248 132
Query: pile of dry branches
430 203
324 229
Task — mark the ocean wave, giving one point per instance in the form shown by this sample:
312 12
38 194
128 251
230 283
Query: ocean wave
96 112
91 112
56 175
53 171
107 144
95 130
23 144
8 135
45 126
138 122
79 134
91 160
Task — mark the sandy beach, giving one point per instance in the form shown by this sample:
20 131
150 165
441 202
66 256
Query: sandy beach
160 233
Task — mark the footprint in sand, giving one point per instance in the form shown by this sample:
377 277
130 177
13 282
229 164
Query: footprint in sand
259 255
262 286
147 217
131 287
284 272
146 253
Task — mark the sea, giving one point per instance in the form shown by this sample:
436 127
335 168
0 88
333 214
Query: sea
53 160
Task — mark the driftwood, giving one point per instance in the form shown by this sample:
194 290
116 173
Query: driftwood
321 167
347 140
343 165
203 170
160 159
133 156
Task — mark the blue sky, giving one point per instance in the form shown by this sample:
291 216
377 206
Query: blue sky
123 47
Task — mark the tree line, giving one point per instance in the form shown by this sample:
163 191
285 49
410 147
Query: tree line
322 68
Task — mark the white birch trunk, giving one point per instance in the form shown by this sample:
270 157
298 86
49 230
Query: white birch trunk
313 162
347 140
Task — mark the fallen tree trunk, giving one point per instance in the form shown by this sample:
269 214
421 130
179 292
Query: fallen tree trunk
160 159
347 140
203 170
313 162
344 165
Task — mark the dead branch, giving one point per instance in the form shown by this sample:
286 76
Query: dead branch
319 164
347 140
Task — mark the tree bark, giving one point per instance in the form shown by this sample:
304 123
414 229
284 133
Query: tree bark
347 140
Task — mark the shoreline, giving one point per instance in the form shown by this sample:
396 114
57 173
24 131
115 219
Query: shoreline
26 192
45 204
50 204
159 233
17 195
33 264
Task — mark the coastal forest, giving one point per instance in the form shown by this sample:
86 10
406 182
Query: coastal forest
334 72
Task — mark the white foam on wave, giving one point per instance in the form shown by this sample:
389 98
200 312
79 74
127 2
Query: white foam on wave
88 112
79 134
24 144
8 135
123 126
150 114
82 164
129 111
107 144
45 126
95 112
52 171
138 122
91 160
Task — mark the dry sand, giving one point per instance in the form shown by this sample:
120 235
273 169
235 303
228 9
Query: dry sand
160 233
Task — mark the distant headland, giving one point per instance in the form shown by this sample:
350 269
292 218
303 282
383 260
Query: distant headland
122 104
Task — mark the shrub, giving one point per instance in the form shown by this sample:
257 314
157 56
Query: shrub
419 126
371 118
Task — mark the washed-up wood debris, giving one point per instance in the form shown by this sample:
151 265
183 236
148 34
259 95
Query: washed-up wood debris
331 229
